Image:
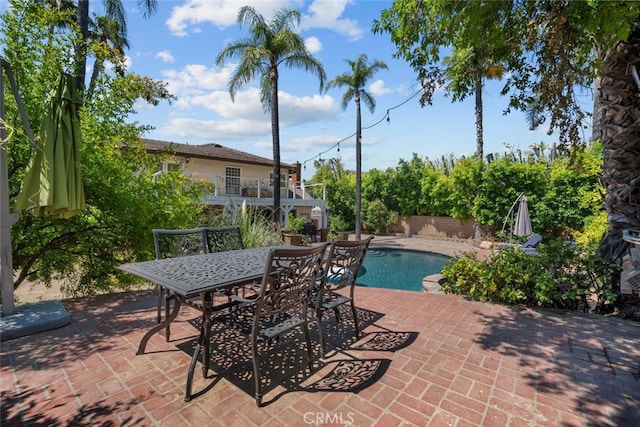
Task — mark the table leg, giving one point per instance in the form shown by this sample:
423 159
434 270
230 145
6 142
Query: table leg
206 319
192 365
160 326
203 341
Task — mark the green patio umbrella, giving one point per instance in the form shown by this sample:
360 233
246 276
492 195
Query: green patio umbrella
53 180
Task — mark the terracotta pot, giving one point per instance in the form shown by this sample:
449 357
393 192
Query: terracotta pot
292 239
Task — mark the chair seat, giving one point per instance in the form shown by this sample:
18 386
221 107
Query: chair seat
331 300
268 327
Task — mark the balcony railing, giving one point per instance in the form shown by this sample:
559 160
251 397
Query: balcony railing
262 188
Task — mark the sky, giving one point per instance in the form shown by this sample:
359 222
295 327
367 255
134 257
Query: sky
179 45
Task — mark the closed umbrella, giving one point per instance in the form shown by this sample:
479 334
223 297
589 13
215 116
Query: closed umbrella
53 181
522 227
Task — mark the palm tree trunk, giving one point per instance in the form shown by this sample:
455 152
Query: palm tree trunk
275 135
358 208
98 67
479 127
616 123
82 14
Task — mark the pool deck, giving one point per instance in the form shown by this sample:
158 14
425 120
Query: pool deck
425 359
451 247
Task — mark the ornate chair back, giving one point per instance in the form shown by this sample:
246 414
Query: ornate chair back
176 243
340 271
220 239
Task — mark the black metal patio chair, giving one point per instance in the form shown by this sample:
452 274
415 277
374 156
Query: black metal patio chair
340 272
171 244
220 239
281 303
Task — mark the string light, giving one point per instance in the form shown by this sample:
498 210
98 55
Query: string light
387 116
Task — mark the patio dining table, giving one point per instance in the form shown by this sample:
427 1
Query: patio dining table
200 276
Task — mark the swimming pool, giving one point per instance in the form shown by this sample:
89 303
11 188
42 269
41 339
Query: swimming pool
399 268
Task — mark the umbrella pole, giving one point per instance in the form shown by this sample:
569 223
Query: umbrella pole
509 217
7 219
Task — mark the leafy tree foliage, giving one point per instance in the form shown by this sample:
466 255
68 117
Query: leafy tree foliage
480 46
564 191
552 51
377 217
341 192
503 180
377 186
407 180
436 188
124 197
466 177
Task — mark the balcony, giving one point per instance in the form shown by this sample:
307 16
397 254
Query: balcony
259 192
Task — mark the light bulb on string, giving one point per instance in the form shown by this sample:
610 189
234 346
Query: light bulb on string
338 147
388 119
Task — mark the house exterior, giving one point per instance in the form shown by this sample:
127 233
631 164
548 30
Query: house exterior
241 177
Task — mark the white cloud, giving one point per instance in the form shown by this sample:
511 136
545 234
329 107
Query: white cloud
327 14
244 118
310 143
296 110
196 79
313 45
221 13
213 130
378 88
165 56
142 105
187 17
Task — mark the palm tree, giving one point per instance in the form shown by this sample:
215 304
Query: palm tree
355 82
615 107
270 45
114 10
106 32
467 69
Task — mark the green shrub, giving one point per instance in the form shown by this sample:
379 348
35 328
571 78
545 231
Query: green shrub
337 223
256 229
377 217
558 275
594 228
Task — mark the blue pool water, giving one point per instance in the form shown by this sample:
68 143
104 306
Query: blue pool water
399 268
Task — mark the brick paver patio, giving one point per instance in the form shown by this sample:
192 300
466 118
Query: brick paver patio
426 359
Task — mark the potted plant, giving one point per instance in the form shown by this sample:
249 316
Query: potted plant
291 234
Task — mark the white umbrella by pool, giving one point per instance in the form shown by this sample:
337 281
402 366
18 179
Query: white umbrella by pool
522 227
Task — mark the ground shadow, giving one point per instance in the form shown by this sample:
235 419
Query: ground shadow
596 357
284 364
91 331
22 409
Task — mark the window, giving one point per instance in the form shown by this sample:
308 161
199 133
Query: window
169 166
284 179
232 180
174 167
